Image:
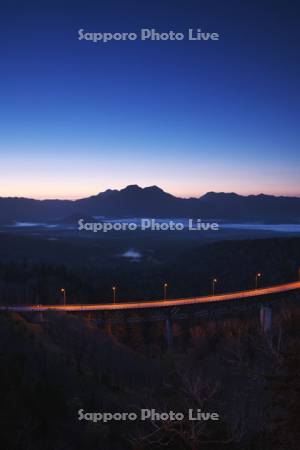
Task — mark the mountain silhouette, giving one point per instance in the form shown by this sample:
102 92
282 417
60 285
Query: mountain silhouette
152 201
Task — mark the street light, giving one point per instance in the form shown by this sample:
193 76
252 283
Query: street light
114 289
257 277
165 290
214 281
63 291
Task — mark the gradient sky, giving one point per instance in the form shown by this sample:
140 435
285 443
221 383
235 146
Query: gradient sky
77 118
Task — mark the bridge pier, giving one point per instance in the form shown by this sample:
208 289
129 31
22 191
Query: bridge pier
169 331
107 323
40 317
265 316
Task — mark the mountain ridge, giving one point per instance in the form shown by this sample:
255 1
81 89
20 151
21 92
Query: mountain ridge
152 201
154 187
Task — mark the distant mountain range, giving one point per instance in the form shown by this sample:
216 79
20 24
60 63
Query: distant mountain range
134 201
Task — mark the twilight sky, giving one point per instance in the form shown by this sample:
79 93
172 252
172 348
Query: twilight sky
79 117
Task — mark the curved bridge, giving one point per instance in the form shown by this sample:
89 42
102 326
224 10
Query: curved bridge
241 295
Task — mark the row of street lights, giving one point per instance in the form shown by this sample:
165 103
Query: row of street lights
258 276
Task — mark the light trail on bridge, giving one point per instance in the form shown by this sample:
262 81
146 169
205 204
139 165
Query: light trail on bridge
241 295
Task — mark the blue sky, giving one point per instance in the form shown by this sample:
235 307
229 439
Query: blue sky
78 117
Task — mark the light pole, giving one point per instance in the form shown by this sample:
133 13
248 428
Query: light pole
257 277
114 289
214 281
165 290
63 291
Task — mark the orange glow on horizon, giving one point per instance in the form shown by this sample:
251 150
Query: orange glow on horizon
192 194
51 189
